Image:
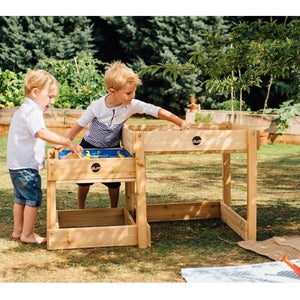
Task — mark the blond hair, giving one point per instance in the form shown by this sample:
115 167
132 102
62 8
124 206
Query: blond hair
117 74
40 79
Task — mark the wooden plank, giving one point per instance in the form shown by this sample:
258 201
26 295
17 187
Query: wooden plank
205 151
169 139
128 138
81 170
235 126
141 211
195 140
51 205
285 139
90 217
252 184
234 221
172 127
183 211
71 238
128 219
226 178
52 220
130 195
148 235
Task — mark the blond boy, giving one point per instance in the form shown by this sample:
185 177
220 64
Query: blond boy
26 144
107 115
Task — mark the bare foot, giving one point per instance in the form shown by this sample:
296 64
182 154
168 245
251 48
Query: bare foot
15 235
33 239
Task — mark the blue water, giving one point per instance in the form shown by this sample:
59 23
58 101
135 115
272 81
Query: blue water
99 153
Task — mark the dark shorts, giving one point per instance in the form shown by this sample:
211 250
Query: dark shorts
111 185
27 187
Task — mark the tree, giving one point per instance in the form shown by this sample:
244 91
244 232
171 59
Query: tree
147 40
275 52
26 40
241 59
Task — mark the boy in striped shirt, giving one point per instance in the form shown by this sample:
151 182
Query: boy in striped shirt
107 115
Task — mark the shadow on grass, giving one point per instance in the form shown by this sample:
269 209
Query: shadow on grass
176 244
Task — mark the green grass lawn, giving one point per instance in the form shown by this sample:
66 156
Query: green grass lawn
175 245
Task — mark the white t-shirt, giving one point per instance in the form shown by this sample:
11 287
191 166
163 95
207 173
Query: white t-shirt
24 148
106 123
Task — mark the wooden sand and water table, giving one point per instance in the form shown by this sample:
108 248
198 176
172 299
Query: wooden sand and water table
104 227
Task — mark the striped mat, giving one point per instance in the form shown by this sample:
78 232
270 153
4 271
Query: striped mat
278 272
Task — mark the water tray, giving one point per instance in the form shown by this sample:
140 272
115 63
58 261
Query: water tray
98 153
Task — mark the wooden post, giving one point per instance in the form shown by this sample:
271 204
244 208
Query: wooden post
226 177
51 204
130 195
141 208
251 184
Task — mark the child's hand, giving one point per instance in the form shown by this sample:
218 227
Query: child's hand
184 126
75 148
59 147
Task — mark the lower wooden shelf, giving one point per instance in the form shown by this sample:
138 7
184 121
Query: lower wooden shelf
93 228
198 211
183 211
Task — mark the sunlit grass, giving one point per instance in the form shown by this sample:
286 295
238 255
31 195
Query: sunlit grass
175 245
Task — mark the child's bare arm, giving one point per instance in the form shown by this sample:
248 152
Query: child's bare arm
71 135
52 137
74 131
168 116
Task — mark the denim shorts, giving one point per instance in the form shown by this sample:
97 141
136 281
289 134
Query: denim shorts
27 187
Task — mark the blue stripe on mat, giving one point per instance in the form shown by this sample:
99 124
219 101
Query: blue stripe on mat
278 272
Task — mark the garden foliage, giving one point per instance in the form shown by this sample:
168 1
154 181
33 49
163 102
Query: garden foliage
24 40
148 40
237 58
11 88
80 80
249 55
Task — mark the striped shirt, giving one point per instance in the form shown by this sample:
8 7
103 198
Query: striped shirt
106 123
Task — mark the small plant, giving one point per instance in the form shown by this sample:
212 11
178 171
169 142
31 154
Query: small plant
203 118
285 112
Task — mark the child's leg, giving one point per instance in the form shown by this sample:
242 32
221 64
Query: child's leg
18 212
114 196
81 195
28 235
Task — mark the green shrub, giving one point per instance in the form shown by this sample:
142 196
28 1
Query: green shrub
80 82
203 118
11 88
285 112
79 78
226 105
